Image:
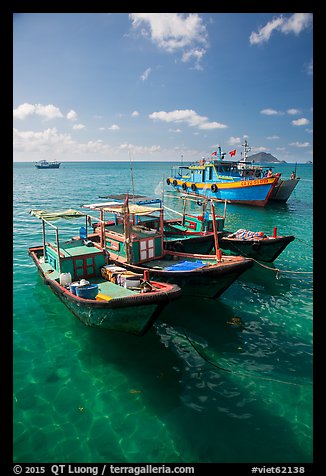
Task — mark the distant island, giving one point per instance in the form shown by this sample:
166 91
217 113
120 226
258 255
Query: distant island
309 162
264 157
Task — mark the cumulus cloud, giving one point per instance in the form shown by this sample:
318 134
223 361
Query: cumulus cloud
188 116
48 111
300 122
296 23
63 144
114 127
72 115
135 114
173 32
78 126
41 140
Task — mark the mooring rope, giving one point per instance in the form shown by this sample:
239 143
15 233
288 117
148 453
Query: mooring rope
244 374
279 271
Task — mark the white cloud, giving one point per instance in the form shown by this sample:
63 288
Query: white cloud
270 112
300 122
265 32
78 126
48 111
293 111
23 111
114 127
300 144
234 140
294 24
59 144
272 137
297 23
135 114
188 116
40 141
72 115
174 32
145 74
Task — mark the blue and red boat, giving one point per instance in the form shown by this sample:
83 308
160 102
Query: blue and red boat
224 180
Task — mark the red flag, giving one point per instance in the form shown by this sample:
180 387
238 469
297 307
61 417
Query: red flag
214 153
233 152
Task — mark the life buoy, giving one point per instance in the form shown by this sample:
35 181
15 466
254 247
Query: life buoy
214 187
184 186
193 187
257 173
168 181
175 183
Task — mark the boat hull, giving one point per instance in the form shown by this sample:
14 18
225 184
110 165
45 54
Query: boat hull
254 192
266 249
133 315
202 244
283 190
47 167
209 282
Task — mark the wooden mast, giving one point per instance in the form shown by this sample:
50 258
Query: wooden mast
217 248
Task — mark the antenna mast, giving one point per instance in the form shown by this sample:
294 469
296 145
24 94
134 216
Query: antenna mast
246 149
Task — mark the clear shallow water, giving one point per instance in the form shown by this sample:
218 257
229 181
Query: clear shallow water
195 388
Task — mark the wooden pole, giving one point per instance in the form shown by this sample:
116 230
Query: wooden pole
58 248
43 235
217 248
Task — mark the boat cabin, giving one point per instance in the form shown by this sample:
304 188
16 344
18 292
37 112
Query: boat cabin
133 232
78 256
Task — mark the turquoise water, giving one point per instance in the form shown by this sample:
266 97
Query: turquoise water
196 387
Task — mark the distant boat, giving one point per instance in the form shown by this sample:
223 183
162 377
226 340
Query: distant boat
44 164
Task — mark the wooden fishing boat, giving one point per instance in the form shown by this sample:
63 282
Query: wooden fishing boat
199 242
79 274
256 245
132 243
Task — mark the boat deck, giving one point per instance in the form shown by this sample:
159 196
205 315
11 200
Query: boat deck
105 287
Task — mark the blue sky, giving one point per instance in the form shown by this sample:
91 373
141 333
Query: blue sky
161 86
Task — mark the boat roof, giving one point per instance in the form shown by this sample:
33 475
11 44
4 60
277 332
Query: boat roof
138 199
68 214
118 207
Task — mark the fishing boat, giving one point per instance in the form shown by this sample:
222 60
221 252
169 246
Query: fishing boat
199 242
239 182
283 188
81 276
44 164
132 243
243 242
